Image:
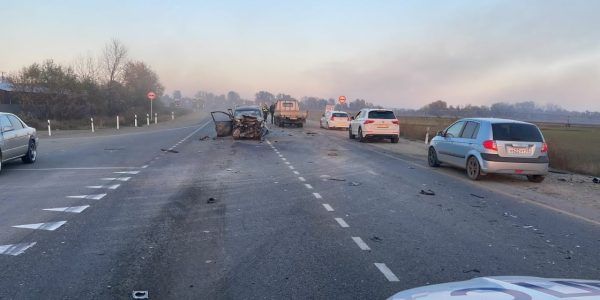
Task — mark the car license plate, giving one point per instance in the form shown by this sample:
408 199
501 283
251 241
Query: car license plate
519 150
382 126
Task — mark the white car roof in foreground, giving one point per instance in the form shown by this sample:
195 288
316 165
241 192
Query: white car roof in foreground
507 287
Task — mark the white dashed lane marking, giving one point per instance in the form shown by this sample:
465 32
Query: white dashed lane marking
51 226
301 178
91 197
117 178
342 222
110 187
360 243
291 167
386 272
287 162
71 209
317 195
127 172
328 207
372 173
308 186
15 249
296 172
144 166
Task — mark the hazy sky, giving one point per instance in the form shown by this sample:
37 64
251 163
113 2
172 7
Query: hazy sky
393 53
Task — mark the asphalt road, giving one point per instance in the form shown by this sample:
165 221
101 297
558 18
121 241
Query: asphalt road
305 214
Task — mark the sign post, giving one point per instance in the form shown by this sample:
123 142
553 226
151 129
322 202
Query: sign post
151 96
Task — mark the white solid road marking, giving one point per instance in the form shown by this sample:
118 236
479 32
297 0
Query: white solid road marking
71 169
308 186
360 243
144 166
296 172
291 167
117 178
15 249
72 209
386 272
301 178
110 187
328 207
317 195
127 172
372 173
51 226
342 222
91 197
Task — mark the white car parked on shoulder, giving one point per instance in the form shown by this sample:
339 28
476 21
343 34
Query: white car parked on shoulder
335 119
375 123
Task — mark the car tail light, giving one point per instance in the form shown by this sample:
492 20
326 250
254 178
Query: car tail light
544 148
368 122
396 122
490 145
332 117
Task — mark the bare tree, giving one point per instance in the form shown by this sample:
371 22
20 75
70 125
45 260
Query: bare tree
113 59
87 67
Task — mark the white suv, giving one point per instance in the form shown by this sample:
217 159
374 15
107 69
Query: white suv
375 123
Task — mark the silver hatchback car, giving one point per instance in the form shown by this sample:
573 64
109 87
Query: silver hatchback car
17 140
489 145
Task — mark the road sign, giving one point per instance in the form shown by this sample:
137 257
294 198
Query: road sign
151 96
342 99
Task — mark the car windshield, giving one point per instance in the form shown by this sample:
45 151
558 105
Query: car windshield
249 112
367 162
516 132
381 114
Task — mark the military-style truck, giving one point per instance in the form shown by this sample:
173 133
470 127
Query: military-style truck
287 112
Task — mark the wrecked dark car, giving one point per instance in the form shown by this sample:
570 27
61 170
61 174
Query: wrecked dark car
243 122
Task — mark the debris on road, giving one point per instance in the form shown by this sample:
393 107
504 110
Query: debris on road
428 192
211 200
336 179
139 295
206 137
332 154
169 150
477 196
354 183
376 239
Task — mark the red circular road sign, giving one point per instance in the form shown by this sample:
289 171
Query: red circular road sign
342 99
151 95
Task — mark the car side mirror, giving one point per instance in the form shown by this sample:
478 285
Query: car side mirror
351 118
440 133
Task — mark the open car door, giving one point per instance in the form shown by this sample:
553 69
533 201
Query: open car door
223 123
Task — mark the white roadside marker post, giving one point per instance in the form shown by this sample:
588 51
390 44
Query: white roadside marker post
49 129
172 115
92 120
427 137
147 119
155 118
117 122
135 122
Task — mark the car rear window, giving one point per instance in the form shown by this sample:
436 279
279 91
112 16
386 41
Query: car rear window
288 104
381 114
516 132
341 115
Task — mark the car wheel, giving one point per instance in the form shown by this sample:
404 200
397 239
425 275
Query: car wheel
536 178
361 138
31 154
395 140
432 158
350 135
473 168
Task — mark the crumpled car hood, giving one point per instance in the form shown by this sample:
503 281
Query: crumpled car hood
507 288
